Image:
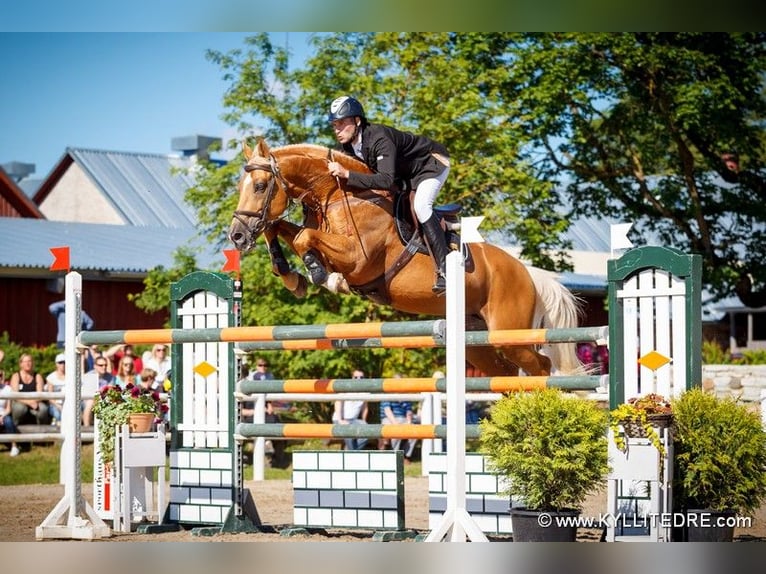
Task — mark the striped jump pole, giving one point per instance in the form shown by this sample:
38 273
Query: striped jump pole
418 385
472 338
263 333
308 430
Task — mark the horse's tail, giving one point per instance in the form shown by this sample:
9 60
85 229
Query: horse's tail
557 308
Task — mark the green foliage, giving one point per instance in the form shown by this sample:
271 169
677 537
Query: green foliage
714 354
720 454
112 407
551 446
44 357
41 465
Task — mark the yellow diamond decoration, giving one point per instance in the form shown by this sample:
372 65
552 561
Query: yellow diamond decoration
654 360
205 369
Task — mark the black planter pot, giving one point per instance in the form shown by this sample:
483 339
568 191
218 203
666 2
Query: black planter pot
702 525
539 526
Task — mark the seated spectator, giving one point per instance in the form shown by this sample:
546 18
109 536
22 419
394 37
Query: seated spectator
6 420
352 413
398 412
159 362
27 380
117 352
126 372
54 383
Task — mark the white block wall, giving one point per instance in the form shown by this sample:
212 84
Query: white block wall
349 489
489 510
201 486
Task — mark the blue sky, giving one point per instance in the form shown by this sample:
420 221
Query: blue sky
115 91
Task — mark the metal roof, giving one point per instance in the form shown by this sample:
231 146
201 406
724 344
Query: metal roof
26 243
146 189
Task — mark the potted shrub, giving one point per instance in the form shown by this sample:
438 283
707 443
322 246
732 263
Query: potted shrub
720 463
113 407
552 449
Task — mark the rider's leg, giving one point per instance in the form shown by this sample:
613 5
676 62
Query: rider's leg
432 230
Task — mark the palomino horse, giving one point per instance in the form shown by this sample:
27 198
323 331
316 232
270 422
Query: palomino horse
353 235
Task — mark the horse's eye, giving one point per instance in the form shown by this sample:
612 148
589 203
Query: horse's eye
260 187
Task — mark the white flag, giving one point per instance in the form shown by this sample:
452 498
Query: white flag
469 229
619 236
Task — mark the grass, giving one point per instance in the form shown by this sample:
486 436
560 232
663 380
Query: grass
40 465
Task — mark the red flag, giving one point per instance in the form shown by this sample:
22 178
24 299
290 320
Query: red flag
60 259
232 260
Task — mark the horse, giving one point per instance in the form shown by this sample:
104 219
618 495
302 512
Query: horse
349 242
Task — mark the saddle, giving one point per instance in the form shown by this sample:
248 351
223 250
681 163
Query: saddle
409 234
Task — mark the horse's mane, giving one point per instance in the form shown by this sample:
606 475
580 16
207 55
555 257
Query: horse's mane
320 152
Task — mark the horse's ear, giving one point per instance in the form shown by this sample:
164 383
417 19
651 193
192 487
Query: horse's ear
247 151
262 147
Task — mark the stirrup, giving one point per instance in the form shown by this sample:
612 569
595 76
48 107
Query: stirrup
440 285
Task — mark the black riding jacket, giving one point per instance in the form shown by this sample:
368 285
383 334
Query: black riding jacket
400 160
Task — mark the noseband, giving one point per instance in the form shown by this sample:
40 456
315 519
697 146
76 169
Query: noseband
258 219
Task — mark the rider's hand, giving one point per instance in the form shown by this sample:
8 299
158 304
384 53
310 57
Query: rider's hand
337 170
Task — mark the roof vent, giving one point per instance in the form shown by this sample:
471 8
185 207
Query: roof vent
191 146
17 170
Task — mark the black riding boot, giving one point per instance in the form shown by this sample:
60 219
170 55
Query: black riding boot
437 244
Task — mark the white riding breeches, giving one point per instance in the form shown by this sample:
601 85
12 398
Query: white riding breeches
425 195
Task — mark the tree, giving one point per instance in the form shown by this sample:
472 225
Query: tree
641 127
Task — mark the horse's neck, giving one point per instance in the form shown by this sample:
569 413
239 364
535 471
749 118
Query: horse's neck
311 181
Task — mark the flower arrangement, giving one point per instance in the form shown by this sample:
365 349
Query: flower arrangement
113 405
639 417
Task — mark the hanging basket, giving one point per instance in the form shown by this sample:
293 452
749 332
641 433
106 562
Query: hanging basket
140 422
634 428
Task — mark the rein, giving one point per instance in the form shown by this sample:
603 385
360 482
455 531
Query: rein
260 220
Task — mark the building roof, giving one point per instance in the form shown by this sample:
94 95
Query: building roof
147 190
16 200
114 249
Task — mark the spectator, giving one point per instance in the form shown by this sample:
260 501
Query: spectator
89 356
126 372
92 382
276 447
54 383
6 420
261 373
117 352
398 413
148 380
58 310
159 362
27 380
352 413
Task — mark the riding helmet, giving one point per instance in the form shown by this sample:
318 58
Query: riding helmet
345 107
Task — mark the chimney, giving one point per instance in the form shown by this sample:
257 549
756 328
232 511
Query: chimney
17 170
195 147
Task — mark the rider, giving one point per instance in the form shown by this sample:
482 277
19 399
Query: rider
396 157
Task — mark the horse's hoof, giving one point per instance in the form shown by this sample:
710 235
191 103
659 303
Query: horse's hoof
317 272
336 283
296 284
302 288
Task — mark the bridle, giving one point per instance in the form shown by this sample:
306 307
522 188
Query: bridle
258 220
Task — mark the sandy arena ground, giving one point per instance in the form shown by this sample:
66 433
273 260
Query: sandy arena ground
25 507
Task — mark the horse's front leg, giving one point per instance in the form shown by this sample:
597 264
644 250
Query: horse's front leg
319 249
293 281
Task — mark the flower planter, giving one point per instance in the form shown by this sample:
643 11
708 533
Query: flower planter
539 526
140 422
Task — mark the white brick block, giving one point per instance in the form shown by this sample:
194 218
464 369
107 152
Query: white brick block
487 522
200 459
389 480
344 480
179 458
299 479
370 518
483 483
369 480
390 519
227 478
188 513
344 517
383 460
318 479
330 460
504 524
199 495
189 477
356 460
319 516
210 477
304 461
300 516
221 460
436 482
